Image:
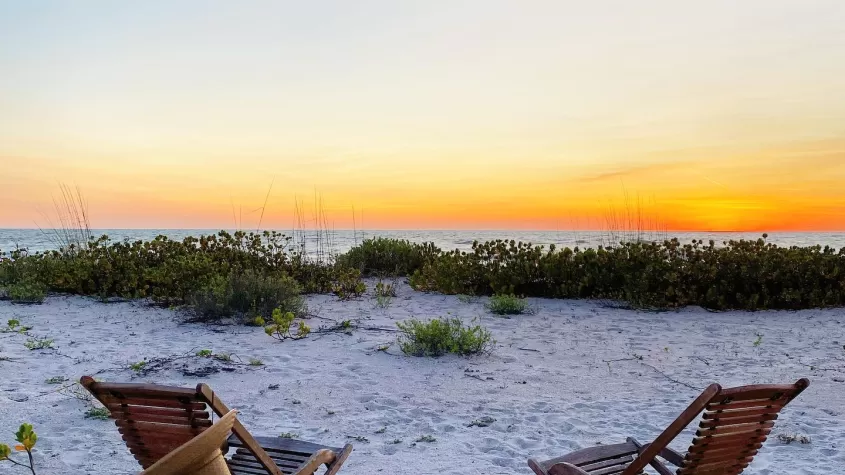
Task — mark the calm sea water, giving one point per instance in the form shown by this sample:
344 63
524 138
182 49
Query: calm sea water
38 240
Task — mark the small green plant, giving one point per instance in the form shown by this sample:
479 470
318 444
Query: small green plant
426 438
14 326
255 362
507 304
56 380
289 435
440 336
224 357
759 340
38 343
139 366
280 329
27 292
204 353
26 438
464 298
384 347
383 301
348 284
385 290
99 413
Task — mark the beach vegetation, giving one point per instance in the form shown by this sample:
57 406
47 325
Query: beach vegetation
99 413
27 292
139 366
239 274
507 304
384 293
440 336
38 343
26 438
380 256
281 326
247 292
255 362
204 353
348 284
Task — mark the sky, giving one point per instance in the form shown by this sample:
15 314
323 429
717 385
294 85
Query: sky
713 116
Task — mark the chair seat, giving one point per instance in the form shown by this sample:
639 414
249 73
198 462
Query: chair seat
599 460
288 454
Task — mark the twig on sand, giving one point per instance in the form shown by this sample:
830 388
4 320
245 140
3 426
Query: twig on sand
529 349
701 359
639 358
671 378
475 376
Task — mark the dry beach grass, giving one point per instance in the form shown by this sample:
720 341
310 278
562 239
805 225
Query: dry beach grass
569 375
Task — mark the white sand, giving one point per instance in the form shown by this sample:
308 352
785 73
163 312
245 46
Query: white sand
546 384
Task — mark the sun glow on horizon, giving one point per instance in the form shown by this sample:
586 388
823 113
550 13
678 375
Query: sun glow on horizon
725 116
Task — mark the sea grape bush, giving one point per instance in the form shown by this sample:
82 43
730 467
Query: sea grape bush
388 257
233 273
742 274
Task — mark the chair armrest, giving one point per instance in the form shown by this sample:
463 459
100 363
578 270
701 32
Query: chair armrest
563 468
313 463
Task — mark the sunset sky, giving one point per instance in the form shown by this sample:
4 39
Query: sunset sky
718 115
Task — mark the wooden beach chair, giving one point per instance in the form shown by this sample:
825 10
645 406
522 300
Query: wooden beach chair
733 428
154 420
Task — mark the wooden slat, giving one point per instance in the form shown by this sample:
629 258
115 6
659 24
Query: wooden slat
593 454
615 462
712 424
287 458
281 444
744 412
174 421
158 411
191 405
735 429
155 428
250 461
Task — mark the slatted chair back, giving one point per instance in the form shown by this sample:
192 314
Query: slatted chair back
734 426
153 420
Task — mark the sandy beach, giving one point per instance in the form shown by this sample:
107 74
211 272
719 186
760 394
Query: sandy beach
571 374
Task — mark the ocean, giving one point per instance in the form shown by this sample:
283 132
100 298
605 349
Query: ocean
35 240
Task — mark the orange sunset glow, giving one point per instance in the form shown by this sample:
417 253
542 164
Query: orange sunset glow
715 116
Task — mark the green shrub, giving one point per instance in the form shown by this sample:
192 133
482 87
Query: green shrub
349 284
281 324
248 293
27 292
387 257
440 336
507 304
